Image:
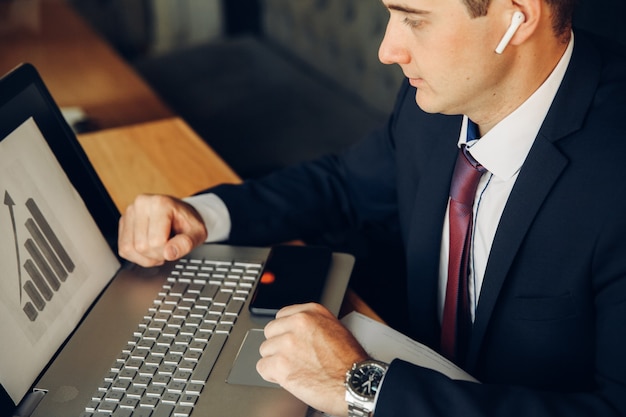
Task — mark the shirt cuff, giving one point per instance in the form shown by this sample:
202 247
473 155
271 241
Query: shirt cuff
380 386
215 215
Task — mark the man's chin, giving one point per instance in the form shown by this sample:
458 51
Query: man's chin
427 105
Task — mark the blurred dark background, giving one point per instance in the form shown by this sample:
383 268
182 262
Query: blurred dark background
269 83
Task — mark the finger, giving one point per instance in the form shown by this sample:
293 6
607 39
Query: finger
157 226
123 235
186 220
132 230
127 250
299 319
277 354
177 247
267 348
314 308
267 368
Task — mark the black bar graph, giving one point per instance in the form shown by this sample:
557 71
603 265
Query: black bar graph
50 235
47 250
38 279
46 262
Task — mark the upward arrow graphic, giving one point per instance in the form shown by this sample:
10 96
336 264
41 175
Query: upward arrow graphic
8 201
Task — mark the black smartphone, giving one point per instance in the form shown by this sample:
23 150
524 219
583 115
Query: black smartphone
291 275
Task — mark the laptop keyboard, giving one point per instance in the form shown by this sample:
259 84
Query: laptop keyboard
163 368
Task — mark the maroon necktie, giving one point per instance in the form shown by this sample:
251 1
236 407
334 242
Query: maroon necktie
457 323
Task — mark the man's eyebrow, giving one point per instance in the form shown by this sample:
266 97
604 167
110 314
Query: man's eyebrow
405 9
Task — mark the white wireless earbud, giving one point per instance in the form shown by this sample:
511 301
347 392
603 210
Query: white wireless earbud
516 22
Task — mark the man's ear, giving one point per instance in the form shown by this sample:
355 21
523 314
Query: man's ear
534 11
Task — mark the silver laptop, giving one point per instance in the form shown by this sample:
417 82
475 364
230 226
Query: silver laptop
85 334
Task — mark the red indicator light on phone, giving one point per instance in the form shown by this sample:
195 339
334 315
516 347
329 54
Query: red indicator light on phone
267 278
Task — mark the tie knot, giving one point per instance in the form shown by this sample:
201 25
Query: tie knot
467 173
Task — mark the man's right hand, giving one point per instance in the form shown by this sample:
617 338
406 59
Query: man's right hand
158 228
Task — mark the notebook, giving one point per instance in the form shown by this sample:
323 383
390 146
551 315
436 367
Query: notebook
79 324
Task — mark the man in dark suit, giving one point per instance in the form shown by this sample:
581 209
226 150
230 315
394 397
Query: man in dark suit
547 269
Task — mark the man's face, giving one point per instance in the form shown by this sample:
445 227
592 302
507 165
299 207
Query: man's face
446 54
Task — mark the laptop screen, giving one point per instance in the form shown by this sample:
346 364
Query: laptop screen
23 95
49 233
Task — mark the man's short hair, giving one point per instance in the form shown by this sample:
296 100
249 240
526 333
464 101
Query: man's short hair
561 20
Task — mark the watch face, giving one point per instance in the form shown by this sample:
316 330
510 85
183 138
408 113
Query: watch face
365 380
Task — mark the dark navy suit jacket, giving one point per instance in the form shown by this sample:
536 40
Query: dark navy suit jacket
549 338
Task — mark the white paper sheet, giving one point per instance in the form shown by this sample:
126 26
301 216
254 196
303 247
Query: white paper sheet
53 256
386 344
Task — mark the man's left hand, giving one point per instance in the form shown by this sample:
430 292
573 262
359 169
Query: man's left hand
308 352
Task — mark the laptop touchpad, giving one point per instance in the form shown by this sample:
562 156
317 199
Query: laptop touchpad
244 369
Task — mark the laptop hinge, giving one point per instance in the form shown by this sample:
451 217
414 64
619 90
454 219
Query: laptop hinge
30 403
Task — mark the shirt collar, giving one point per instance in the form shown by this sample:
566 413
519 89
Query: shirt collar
504 148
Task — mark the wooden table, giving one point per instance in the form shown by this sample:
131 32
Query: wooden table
78 66
160 157
165 157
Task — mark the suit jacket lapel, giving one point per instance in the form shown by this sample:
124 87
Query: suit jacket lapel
540 171
426 225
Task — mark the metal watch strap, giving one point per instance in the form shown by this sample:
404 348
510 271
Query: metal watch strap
356 411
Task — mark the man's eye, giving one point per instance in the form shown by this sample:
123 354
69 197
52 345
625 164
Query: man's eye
412 23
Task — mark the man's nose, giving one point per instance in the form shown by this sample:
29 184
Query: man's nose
392 49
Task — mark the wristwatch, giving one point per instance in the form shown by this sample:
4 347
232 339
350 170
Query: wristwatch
362 383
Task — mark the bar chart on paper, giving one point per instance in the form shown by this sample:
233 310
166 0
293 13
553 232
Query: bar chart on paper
42 262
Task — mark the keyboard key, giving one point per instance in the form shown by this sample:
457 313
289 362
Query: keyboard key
178 289
161 379
181 376
122 412
127 374
166 369
150 402
142 381
178 350
107 407
130 403
92 406
197 346
148 370
143 412
98 395
115 396
192 356
155 391
164 410
194 389
135 392
172 359
170 398
134 363
223 328
182 411
187 365
159 350
189 400
121 384
222 298
209 292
